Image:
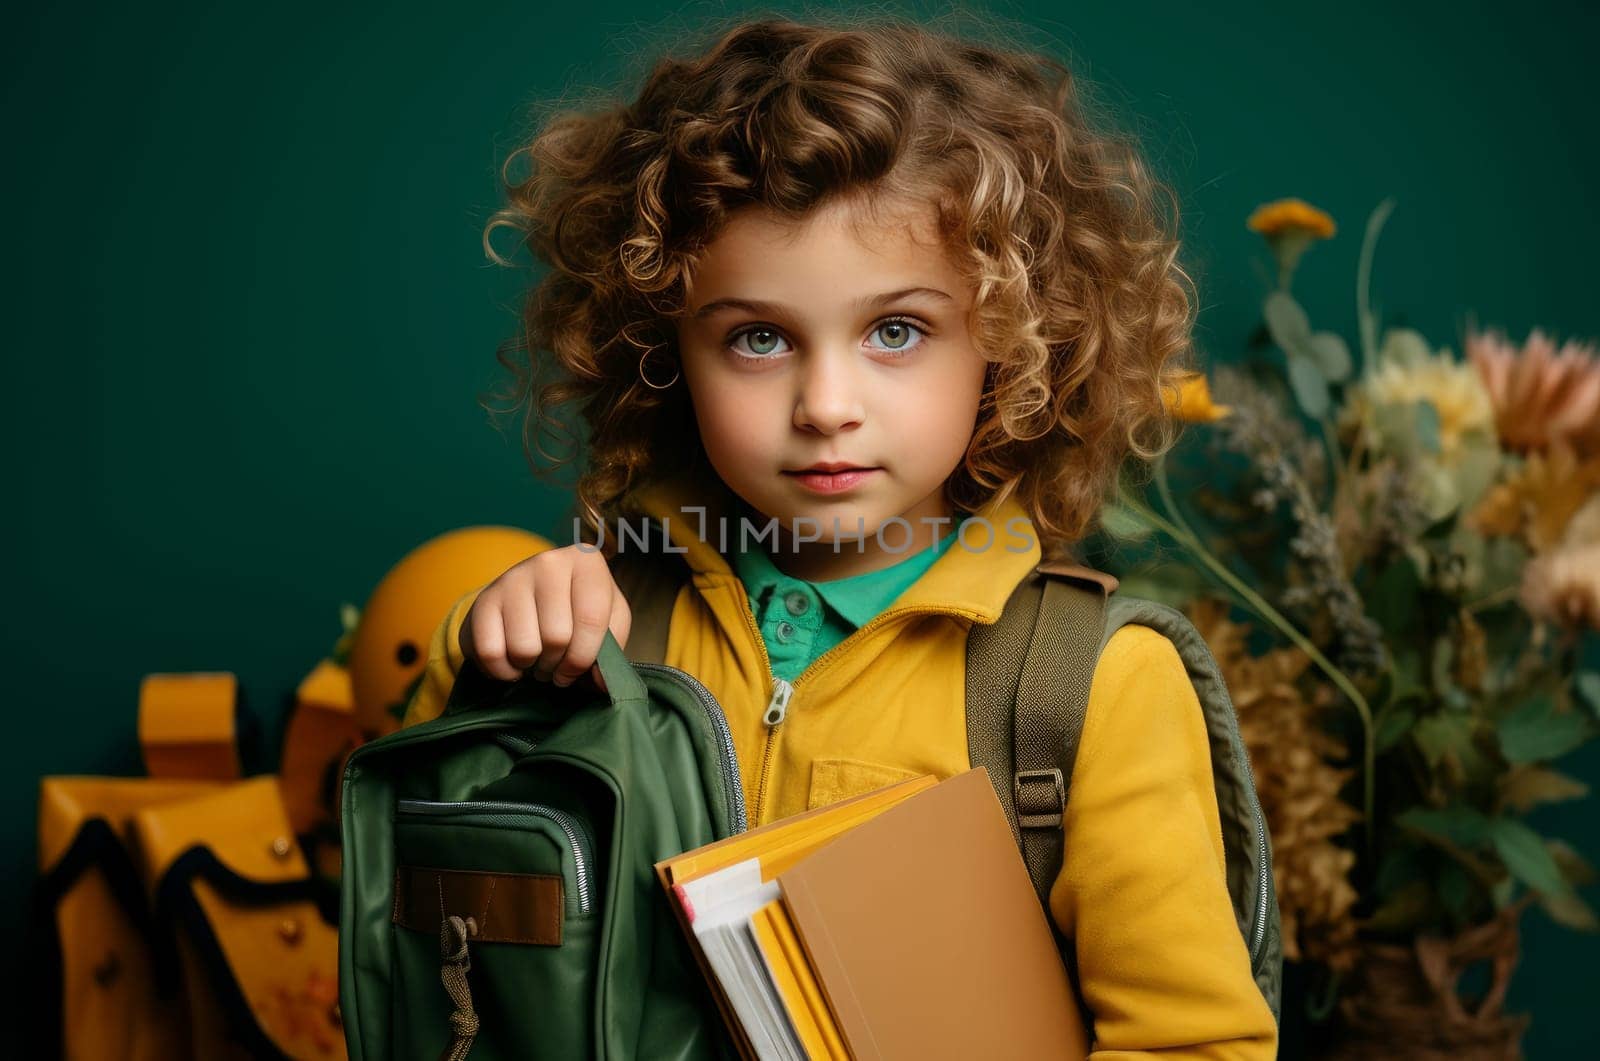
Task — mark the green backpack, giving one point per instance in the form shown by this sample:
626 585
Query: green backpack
498 893
1028 678
563 802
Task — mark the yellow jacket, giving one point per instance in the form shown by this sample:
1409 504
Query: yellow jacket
1160 960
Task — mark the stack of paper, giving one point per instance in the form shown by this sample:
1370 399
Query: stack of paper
721 909
898 924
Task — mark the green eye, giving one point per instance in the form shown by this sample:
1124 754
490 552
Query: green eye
899 334
901 329
762 341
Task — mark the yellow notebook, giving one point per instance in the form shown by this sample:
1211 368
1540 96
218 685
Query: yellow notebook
779 844
774 848
802 995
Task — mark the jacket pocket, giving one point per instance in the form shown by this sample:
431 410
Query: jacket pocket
833 780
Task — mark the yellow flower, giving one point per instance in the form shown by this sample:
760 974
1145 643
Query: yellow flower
1286 216
1190 401
1453 388
1541 500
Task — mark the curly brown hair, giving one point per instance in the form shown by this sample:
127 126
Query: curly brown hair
1080 304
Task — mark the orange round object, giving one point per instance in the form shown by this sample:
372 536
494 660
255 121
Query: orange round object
391 639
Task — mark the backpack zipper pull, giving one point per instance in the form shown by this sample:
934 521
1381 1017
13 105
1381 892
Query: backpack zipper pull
778 706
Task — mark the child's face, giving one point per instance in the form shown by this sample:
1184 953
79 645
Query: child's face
823 372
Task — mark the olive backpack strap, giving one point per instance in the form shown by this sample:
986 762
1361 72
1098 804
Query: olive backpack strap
1028 679
1028 676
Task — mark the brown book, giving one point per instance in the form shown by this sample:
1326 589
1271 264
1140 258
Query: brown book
922 928
927 936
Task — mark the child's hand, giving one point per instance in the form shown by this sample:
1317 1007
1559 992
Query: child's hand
550 612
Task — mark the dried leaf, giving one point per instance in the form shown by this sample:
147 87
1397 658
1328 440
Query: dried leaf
1569 909
1528 785
1574 868
1292 759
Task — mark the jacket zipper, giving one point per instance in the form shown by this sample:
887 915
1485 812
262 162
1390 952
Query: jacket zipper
577 835
783 691
775 713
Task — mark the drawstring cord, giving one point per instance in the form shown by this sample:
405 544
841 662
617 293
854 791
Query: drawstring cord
454 932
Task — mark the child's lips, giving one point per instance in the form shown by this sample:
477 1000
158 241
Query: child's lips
832 482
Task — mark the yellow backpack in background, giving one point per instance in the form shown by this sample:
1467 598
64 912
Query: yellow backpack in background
178 915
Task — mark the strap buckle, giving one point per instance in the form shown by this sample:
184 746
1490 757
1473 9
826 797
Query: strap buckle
1036 811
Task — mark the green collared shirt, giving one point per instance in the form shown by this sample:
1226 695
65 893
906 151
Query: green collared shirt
801 620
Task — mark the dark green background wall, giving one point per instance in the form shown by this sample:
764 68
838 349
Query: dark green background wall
249 315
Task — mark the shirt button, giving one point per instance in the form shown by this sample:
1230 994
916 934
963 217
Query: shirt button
797 602
785 632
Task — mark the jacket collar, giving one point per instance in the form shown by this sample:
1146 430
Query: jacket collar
701 516
858 598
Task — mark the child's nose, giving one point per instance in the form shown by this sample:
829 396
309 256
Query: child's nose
829 398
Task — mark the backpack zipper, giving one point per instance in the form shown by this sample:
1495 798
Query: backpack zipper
732 788
1264 872
577 835
1258 931
513 743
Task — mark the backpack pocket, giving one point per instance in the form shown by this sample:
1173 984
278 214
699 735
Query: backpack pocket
517 884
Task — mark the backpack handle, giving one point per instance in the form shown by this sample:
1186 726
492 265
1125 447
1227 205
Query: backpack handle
622 681
475 689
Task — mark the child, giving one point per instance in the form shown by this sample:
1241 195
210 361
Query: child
891 291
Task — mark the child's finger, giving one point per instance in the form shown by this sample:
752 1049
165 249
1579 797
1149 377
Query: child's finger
487 641
591 611
521 625
552 595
